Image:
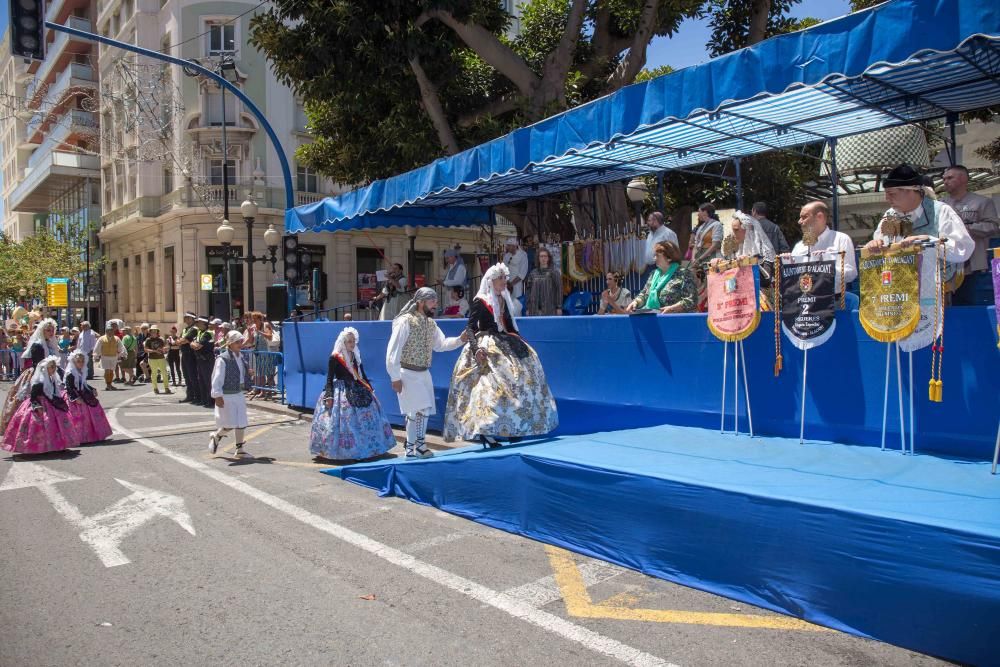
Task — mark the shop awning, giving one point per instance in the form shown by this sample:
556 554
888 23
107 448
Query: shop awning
899 62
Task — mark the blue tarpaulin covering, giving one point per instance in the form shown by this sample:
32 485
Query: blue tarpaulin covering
902 549
616 372
902 61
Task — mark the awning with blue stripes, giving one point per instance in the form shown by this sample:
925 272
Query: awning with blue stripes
899 62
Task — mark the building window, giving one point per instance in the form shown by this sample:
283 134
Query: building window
213 108
221 39
138 280
301 121
126 287
168 280
306 180
215 172
168 180
151 280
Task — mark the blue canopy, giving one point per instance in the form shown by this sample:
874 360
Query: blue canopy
899 62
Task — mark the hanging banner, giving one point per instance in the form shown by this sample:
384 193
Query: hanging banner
808 302
733 307
890 294
930 298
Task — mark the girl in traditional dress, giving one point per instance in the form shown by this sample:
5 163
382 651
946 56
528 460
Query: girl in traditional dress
43 343
229 377
85 411
42 423
498 387
348 422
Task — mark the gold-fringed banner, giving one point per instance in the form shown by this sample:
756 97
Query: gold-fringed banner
733 308
890 293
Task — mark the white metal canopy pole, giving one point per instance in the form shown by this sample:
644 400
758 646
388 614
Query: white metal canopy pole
802 415
725 360
899 386
746 388
885 398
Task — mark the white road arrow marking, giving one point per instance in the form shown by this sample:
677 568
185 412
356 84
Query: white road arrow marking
104 531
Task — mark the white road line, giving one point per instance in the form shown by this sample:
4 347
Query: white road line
518 609
154 430
545 590
432 542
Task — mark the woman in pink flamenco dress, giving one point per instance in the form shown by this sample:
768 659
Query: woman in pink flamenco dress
85 411
41 423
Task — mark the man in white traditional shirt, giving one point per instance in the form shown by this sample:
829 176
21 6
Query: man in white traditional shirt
979 214
928 219
415 337
826 244
516 261
658 233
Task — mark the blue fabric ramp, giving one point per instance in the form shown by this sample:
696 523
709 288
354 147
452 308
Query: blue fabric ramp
901 549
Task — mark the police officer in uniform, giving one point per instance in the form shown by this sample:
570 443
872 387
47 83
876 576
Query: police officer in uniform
204 352
188 367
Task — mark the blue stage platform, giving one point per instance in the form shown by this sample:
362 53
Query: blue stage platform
618 372
902 549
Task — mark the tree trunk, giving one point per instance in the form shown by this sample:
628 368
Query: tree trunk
432 105
759 12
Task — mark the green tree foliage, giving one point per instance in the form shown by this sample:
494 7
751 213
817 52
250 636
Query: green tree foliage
390 85
739 23
27 264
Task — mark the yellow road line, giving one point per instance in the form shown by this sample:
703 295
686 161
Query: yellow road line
579 604
231 449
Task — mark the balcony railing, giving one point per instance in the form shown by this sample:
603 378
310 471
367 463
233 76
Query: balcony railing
53 51
308 198
75 74
74 121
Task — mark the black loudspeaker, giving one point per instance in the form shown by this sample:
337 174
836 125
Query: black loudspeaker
277 303
220 306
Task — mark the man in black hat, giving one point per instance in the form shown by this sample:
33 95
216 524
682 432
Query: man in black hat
188 366
204 354
924 219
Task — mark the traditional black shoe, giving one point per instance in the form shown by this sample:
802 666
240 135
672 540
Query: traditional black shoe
489 441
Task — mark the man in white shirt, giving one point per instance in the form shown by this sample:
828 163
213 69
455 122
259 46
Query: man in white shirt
904 190
516 261
658 233
86 343
979 214
455 274
415 337
814 219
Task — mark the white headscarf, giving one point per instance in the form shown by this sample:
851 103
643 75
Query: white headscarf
52 384
756 241
340 346
492 299
78 373
50 345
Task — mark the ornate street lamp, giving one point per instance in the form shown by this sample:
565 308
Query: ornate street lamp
637 191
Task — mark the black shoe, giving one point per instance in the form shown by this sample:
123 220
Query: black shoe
185 400
489 441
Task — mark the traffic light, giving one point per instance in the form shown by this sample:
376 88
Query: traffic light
27 39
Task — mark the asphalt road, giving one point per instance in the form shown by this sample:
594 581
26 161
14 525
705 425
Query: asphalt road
147 550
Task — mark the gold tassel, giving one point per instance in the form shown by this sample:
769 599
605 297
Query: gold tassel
778 365
938 391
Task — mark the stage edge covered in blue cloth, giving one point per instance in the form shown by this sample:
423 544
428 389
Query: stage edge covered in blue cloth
620 372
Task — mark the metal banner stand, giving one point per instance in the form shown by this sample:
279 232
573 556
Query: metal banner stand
911 403
885 397
802 413
746 387
899 387
996 450
725 361
736 389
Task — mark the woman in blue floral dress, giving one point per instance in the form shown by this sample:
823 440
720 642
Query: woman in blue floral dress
348 423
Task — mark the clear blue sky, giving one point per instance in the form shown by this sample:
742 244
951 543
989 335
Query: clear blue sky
687 46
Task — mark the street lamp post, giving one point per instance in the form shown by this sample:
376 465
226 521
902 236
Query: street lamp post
225 234
23 293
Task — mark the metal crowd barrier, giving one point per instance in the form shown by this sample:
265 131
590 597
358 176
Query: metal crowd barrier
266 366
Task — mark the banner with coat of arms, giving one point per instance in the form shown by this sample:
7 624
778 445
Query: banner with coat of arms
733 305
890 293
930 299
808 302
